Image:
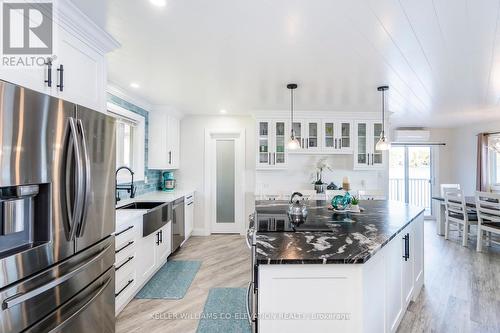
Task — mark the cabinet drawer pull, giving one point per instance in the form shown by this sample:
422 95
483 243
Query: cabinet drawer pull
189 197
124 230
189 204
124 247
126 262
125 287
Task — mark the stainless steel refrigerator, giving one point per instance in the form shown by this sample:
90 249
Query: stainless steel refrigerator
57 215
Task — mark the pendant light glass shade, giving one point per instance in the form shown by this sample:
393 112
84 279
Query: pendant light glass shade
293 143
383 143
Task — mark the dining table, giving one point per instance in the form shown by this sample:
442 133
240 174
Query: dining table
470 202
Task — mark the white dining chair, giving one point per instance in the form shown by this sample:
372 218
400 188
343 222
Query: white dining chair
458 213
488 213
371 195
444 187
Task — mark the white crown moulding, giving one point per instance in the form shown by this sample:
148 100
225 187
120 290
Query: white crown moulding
74 21
280 114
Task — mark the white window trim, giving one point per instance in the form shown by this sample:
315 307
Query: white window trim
139 142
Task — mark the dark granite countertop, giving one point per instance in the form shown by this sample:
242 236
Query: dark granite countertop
355 237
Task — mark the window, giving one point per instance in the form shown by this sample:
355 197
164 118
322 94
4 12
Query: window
130 142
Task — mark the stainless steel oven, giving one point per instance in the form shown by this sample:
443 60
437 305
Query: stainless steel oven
57 213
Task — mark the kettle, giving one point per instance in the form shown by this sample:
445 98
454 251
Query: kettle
297 210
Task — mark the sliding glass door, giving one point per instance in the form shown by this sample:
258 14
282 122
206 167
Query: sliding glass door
410 175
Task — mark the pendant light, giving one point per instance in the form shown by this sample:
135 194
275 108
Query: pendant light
293 143
383 143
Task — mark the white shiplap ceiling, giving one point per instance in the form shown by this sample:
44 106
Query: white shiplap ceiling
441 58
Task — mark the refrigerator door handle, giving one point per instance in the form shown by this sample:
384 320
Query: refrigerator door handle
87 176
74 215
97 293
23 297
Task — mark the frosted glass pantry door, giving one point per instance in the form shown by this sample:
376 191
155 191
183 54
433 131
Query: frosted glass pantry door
225 181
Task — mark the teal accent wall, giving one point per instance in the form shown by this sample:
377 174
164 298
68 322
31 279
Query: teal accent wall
154 176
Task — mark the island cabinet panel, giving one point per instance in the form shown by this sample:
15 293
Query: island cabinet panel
292 298
362 297
418 255
393 286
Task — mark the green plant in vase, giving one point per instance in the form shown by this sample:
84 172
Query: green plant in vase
355 204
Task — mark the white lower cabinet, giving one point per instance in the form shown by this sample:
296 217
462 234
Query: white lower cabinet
138 258
369 297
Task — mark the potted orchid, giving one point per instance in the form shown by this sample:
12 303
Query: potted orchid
321 165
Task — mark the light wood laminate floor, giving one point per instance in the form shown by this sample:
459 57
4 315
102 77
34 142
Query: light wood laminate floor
461 291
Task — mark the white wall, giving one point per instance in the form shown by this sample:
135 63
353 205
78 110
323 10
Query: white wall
457 160
191 173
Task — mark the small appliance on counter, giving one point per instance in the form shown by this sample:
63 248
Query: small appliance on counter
168 183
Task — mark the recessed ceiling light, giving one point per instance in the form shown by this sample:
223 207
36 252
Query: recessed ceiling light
222 111
135 85
159 3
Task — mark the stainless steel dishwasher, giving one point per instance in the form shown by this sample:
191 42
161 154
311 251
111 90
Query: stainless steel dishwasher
178 230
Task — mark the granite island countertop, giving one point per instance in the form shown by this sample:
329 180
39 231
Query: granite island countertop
354 237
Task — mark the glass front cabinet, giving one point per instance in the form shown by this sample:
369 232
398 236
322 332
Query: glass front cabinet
337 136
365 154
272 136
308 132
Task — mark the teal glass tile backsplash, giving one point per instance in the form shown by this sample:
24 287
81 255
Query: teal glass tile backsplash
154 176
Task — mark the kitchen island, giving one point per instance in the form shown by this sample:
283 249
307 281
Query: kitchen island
339 272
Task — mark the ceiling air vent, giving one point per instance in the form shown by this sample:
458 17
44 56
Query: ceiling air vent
412 135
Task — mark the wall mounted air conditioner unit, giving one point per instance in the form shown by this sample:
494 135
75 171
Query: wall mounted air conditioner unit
412 135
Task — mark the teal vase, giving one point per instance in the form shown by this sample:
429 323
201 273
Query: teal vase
341 202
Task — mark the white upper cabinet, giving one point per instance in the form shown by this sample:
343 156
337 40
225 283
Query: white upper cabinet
337 136
347 133
163 141
84 73
366 157
308 132
77 70
272 136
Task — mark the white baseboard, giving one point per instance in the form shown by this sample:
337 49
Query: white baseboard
200 232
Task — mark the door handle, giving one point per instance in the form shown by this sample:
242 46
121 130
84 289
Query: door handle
82 308
269 158
23 297
87 176
335 143
49 72
406 239
158 238
274 158
248 305
161 236
170 157
61 78
74 215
